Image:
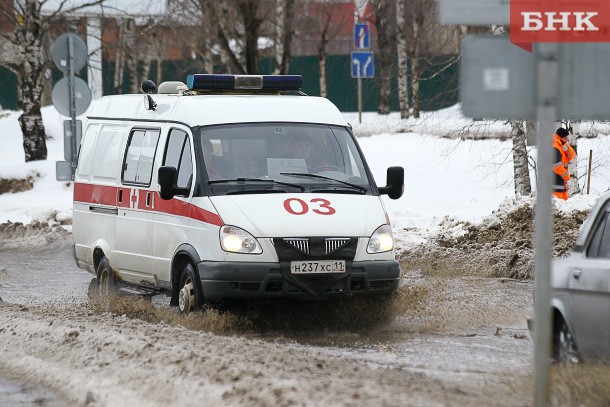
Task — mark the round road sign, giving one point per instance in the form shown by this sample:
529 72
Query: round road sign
61 55
61 96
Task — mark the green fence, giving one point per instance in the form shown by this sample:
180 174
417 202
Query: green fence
437 92
8 89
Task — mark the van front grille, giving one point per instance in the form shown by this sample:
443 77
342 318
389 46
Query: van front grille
318 247
300 244
334 244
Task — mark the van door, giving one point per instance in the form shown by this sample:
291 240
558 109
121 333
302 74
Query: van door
589 290
135 207
172 219
95 191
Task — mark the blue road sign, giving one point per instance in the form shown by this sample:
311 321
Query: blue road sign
362 36
363 64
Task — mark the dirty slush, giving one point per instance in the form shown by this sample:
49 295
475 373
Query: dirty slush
470 289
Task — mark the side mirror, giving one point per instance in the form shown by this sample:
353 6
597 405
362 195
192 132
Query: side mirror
395 183
167 177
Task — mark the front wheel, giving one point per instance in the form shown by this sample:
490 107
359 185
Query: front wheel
564 346
190 297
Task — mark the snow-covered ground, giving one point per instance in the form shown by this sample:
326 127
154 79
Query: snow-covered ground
454 167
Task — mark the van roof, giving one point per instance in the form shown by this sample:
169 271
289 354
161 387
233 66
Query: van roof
198 110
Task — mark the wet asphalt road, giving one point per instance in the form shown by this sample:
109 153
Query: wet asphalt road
34 278
470 330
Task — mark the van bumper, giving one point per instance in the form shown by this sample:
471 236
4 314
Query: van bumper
264 280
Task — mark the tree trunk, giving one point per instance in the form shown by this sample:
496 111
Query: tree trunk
573 186
401 46
523 185
132 56
29 36
118 60
283 35
385 44
418 22
227 56
249 11
531 132
47 87
205 42
322 62
324 23
287 39
280 26
149 53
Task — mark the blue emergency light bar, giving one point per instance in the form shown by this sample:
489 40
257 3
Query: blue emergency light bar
244 82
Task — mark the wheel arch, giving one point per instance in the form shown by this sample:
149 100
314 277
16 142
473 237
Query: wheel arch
185 253
559 312
101 248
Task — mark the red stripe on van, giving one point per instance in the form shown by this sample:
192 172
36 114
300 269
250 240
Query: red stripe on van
95 194
106 195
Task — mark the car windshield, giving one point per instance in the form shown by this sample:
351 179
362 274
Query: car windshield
298 157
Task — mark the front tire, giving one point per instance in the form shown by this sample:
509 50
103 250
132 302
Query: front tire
190 296
564 346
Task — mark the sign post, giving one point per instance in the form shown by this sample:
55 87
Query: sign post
71 97
363 61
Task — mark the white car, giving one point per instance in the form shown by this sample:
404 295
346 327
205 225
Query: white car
580 292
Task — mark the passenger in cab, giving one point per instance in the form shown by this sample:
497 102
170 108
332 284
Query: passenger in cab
216 167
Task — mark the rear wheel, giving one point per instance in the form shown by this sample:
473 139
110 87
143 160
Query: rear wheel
107 284
190 297
106 287
564 346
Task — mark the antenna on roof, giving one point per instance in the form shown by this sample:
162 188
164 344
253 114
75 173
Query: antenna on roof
149 87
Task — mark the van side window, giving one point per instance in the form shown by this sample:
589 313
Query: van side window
178 155
139 160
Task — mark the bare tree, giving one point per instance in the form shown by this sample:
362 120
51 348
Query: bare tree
417 25
403 55
131 55
119 58
231 30
426 39
322 25
284 32
29 65
385 24
523 184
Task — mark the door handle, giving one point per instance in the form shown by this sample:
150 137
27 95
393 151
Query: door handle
576 274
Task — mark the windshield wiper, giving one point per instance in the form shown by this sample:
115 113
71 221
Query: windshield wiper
265 181
305 174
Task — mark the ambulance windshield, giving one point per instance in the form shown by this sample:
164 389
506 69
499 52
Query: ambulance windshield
316 157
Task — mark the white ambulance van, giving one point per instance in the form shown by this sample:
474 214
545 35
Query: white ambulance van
230 187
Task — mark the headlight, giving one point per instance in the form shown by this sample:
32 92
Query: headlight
381 240
236 240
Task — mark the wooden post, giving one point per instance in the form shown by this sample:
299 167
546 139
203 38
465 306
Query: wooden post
589 172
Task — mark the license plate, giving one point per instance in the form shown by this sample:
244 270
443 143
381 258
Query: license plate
317 266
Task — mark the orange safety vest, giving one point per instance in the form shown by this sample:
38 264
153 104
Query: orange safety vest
563 154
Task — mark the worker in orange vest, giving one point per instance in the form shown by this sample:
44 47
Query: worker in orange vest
563 153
